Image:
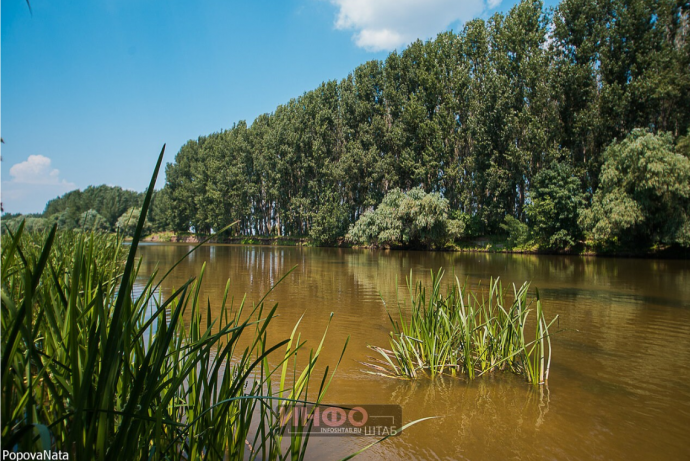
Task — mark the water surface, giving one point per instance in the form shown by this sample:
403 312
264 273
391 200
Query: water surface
619 386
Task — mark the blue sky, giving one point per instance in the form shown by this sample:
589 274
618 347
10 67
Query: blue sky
91 89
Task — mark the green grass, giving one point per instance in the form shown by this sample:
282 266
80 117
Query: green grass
460 333
97 369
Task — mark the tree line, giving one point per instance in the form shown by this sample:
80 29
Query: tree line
511 121
484 117
101 208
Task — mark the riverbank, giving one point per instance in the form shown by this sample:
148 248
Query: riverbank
584 249
488 244
188 237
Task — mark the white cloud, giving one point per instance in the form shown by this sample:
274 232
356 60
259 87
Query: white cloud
33 183
388 24
37 170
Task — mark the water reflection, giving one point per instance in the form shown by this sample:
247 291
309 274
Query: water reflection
620 378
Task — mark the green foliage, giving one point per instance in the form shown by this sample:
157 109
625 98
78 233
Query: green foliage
329 223
473 225
158 213
644 193
518 232
462 333
127 223
475 116
109 202
556 200
683 145
413 218
101 373
97 369
66 219
92 221
31 223
455 226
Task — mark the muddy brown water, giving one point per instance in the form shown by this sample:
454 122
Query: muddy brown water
619 386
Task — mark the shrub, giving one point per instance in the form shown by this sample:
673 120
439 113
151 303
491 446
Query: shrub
518 232
643 194
556 199
329 222
91 220
412 218
128 222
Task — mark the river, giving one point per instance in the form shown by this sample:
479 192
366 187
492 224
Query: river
619 386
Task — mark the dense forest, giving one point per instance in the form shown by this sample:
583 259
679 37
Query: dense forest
95 208
551 126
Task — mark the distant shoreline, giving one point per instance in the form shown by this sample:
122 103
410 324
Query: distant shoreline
491 244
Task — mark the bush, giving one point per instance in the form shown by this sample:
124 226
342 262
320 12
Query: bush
556 199
518 232
31 223
412 218
67 219
92 221
329 222
643 194
128 222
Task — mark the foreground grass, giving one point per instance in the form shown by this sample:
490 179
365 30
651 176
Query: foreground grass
461 333
94 370
98 367
99 370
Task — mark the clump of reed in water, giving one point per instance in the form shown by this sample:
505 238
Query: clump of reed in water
461 333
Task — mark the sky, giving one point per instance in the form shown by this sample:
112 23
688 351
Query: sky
90 90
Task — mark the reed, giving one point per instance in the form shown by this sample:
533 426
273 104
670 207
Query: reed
97 369
462 333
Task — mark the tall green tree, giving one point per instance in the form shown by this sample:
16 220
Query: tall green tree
475 116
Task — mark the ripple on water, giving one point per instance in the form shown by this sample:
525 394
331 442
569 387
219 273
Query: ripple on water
619 385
